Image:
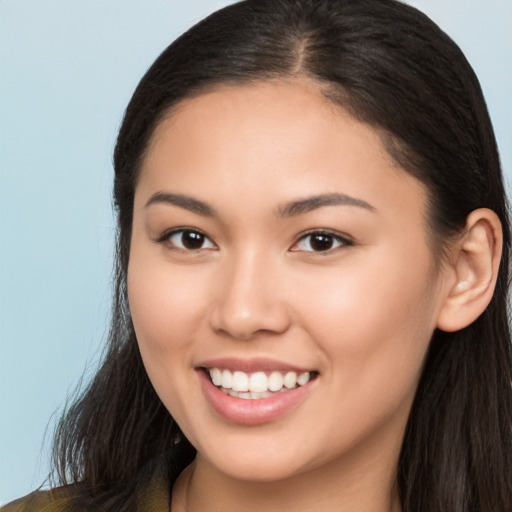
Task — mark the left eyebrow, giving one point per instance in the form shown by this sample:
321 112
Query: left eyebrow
183 201
308 204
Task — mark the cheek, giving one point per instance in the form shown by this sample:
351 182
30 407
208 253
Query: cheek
373 321
374 334
166 307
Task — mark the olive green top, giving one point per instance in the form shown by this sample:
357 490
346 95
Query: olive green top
151 494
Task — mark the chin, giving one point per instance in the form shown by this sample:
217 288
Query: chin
260 455
258 467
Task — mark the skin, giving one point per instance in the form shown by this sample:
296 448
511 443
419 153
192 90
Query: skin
360 314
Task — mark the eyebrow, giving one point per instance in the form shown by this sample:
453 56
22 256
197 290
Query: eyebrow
183 201
291 209
312 203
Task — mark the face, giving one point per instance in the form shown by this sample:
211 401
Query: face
281 283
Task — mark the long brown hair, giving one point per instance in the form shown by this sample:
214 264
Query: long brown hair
393 68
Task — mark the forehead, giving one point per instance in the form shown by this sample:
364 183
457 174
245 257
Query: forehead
272 136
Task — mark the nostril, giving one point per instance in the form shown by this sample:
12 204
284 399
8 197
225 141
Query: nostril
248 324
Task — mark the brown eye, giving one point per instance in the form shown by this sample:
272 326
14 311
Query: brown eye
189 240
192 240
320 241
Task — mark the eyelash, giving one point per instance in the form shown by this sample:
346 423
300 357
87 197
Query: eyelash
329 236
167 237
334 237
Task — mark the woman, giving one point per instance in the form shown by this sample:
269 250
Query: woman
312 277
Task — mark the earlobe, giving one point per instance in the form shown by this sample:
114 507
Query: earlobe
475 262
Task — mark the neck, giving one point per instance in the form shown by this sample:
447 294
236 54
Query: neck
339 486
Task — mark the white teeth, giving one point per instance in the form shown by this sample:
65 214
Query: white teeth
216 376
257 396
258 384
227 379
290 380
275 381
240 381
303 378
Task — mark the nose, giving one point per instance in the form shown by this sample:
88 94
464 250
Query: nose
250 299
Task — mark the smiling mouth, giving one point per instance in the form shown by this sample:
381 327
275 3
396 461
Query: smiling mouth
257 385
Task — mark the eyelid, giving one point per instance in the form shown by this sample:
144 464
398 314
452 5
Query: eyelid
343 239
168 234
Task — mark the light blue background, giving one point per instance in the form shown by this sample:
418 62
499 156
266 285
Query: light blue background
67 70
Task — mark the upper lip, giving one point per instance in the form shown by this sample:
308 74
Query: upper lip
251 365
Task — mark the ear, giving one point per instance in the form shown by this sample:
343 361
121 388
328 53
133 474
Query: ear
474 262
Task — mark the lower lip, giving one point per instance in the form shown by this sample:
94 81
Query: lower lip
252 412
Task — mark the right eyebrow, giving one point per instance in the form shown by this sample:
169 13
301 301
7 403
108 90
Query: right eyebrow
182 201
309 204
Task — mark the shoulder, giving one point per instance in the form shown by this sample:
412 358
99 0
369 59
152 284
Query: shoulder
149 491
53 500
